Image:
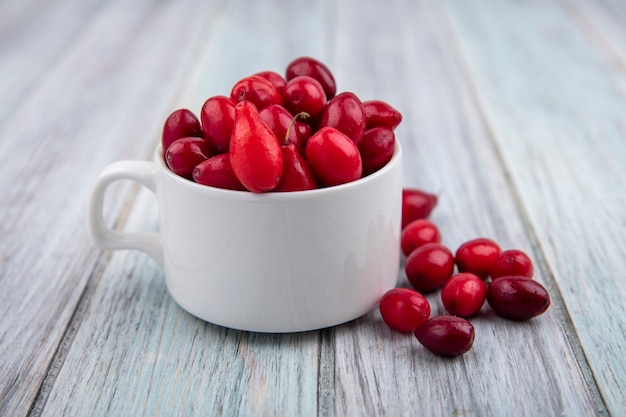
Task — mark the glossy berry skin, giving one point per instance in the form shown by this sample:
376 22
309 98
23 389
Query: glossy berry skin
257 90
517 298
380 113
275 78
217 117
181 123
376 147
429 267
446 335
512 262
184 154
255 154
297 175
315 69
416 204
278 118
217 172
477 256
417 234
464 294
305 94
334 158
345 113
404 309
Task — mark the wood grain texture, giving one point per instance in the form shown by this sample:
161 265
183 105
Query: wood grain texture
556 105
513 114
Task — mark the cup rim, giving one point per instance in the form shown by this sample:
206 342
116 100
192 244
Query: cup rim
273 195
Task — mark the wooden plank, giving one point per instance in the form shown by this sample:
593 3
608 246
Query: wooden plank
556 105
98 103
522 369
134 352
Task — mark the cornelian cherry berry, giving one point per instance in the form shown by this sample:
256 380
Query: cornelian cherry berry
517 298
380 113
404 309
305 94
257 90
376 147
477 256
418 233
315 69
416 204
181 123
446 335
464 294
429 267
217 116
346 114
275 78
217 172
334 158
512 262
184 154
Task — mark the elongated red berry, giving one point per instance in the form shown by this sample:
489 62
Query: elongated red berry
334 158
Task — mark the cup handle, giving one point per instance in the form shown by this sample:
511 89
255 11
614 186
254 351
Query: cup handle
141 171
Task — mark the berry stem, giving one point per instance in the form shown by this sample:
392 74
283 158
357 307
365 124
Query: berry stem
301 115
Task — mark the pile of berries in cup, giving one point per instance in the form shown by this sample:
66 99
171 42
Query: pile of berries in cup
281 133
485 273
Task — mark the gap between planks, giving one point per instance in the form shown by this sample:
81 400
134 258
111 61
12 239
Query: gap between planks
555 292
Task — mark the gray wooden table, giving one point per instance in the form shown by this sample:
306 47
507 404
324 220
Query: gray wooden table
514 112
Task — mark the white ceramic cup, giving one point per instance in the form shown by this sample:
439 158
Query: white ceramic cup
273 262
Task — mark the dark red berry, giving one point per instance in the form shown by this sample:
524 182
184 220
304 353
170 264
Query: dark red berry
257 90
181 123
184 154
477 256
512 262
297 175
345 113
404 309
429 267
416 204
379 113
418 233
217 172
517 298
217 116
315 69
446 335
376 147
464 294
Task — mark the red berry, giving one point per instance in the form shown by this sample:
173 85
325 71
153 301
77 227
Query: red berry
403 309
305 94
379 113
217 172
376 147
446 335
278 118
217 116
418 233
334 158
297 175
512 262
464 294
345 113
429 267
416 204
275 78
477 256
517 298
184 154
257 90
255 154
315 69
181 123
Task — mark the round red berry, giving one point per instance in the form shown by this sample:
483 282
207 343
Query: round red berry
416 204
418 233
464 294
512 262
477 256
404 309
429 267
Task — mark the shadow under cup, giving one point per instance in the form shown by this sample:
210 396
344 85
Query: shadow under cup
279 262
